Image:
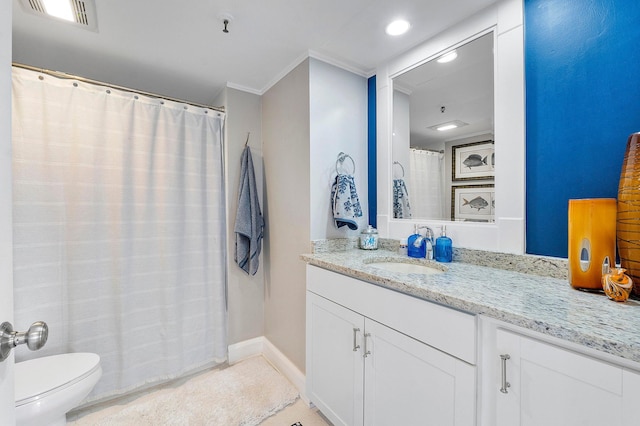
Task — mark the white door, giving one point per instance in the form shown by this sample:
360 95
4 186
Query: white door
334 360
7 403
410 383
551 386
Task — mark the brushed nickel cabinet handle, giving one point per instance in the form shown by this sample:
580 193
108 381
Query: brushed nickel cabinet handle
356 346
366 351
505 384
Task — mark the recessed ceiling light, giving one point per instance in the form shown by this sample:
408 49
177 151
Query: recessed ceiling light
448 57
59 8
76 12
397 27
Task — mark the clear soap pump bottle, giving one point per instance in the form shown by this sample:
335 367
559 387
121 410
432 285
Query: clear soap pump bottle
444 247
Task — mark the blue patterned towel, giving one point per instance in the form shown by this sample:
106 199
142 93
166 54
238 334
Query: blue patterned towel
345 202
401 206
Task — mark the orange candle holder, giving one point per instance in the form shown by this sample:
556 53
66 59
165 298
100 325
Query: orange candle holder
592 241
617 285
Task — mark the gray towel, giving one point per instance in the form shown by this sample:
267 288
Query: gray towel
249 222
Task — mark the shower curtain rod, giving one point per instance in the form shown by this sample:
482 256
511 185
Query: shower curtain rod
64 75
429 150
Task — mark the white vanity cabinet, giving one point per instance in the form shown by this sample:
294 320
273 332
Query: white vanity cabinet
378 357
541 384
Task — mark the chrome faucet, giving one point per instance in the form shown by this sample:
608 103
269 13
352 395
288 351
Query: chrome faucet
429 235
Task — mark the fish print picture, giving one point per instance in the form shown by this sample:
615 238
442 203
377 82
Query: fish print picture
473 161
473 203
477 203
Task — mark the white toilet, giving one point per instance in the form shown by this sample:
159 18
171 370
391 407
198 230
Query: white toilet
47 388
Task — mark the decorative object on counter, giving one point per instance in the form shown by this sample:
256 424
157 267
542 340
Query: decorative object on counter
616 284
249 226
403 247
344 196
369 238
628 218
444 247
401 205
592 241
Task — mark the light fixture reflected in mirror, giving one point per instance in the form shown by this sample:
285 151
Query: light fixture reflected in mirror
449 125
448 57
397 27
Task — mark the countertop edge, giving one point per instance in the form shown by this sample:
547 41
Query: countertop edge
553 329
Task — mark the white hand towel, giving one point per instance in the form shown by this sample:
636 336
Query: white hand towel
401 206
249 222
345 202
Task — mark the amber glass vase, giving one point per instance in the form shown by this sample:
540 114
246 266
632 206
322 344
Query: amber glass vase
628 217
592 241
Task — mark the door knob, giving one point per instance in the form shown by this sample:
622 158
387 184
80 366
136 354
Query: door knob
35 337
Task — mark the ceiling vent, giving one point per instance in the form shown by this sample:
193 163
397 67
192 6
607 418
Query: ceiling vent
81 12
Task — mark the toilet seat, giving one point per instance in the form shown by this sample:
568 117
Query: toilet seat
41 377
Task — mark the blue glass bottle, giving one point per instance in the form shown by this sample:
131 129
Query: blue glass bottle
416 245
444 247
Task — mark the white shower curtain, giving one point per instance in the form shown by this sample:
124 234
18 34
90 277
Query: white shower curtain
119 228
426 184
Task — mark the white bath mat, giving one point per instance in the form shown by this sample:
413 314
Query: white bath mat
244 394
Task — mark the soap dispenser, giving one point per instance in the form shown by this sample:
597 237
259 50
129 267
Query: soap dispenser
416 244
444 249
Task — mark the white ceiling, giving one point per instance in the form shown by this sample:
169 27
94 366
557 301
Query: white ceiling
177 48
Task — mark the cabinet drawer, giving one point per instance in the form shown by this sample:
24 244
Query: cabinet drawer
446 329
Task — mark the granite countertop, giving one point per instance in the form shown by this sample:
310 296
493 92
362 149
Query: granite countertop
545 304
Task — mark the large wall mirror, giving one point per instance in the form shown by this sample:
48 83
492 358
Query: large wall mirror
481 193
443 136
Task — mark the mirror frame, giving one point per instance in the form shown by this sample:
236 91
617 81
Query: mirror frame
507 234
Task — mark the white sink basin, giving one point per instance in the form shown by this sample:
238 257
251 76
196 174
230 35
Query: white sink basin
406 268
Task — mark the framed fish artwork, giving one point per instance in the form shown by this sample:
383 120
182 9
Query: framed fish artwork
473 161
473 203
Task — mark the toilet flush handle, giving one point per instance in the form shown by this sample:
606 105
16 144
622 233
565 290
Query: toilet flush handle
35 337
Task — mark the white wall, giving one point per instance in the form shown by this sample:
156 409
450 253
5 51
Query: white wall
6 246
285 132
309 116
245 292
338 123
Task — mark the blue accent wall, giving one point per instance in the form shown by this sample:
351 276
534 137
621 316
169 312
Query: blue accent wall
582 62
371 157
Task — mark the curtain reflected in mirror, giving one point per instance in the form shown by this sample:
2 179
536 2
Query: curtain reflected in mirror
427 183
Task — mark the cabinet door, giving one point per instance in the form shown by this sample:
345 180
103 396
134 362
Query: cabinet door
334 360
410 383
552 386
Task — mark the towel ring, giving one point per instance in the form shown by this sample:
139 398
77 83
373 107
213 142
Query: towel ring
398 163
341 157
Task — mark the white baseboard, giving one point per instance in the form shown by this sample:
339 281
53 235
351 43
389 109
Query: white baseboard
245 349
262 346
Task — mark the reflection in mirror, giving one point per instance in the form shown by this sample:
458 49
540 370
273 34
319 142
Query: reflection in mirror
443 127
